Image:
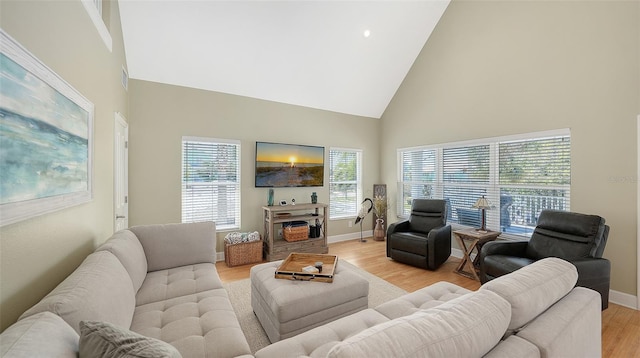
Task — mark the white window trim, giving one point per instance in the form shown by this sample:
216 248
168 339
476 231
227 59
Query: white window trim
223 141
359 192
493 177
96 18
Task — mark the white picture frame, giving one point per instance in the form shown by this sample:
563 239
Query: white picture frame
46 138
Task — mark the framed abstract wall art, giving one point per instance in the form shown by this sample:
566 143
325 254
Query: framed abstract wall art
46 138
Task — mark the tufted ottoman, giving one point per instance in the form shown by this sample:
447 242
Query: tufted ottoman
286 308
319 341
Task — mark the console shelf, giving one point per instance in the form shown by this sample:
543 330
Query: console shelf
275 247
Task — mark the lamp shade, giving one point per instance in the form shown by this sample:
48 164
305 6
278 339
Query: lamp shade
482 203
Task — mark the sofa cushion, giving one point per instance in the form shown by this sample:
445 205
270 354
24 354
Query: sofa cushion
534 288
180 281
424 298
42 335
514 346
100 289
127 248
104 340
198 325
470 327
319 341
173 245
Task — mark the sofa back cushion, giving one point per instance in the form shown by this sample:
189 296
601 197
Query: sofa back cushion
469 327
41 335
534 288
100 289
127 248
172 245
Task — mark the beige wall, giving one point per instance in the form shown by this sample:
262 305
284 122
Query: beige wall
161 114
36 254
500 68
489 69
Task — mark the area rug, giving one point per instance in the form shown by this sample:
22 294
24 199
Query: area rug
380 291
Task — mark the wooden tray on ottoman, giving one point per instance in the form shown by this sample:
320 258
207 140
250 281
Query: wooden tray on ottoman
291 267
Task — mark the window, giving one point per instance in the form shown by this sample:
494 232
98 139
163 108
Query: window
520 175
345 182
211 181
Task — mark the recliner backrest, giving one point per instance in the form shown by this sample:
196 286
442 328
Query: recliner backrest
567 235
427 214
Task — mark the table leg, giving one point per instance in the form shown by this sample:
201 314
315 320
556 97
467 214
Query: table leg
466 260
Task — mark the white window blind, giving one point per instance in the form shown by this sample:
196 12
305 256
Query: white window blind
520 175
466 177
211 181
418 178
345 182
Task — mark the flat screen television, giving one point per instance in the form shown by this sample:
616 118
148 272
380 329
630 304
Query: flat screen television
288 165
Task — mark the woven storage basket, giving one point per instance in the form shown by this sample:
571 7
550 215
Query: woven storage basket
295 233
243 253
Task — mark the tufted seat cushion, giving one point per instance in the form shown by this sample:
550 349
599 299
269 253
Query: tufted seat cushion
424 298
180 281
198 325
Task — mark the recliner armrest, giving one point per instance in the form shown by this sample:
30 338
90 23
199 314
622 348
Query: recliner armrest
595 273
508 248
399 226
438 246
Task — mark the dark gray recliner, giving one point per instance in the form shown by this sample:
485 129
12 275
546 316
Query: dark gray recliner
577 238
424 240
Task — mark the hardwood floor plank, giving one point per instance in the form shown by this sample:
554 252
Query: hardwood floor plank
620 325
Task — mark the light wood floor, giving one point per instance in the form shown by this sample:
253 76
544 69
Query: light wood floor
620 325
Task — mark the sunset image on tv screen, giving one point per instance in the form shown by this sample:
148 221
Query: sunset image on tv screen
289 165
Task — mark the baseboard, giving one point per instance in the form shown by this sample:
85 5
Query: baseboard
350 236
623 299
330 240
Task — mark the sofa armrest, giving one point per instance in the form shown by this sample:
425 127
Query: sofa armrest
173 245
438 246
569 328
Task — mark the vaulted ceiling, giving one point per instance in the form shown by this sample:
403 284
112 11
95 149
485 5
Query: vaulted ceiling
342 56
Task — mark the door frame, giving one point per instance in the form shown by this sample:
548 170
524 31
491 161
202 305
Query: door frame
120 120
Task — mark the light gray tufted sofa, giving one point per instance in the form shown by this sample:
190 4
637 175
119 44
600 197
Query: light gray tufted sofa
533 312
160 281
156 280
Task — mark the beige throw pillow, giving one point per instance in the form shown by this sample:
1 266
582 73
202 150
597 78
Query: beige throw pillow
105 340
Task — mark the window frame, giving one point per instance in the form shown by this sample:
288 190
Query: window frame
357 182
492 189
238 182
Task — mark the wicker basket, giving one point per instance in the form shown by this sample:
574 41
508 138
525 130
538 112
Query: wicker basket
295 233
243 253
